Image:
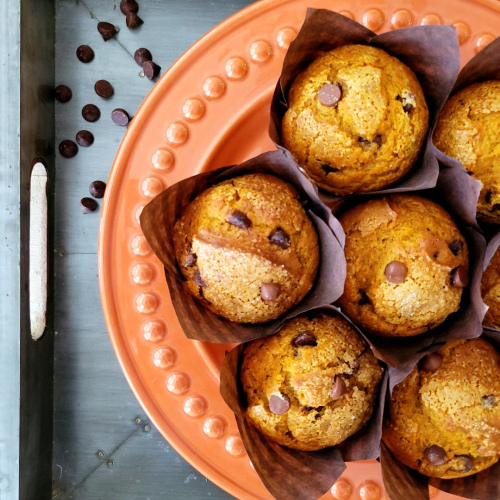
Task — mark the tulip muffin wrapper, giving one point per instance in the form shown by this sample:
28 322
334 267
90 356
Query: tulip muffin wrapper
491 248
198 322
431 52
400 479
289 473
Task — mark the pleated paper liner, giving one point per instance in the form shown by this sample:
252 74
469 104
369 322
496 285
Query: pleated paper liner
491 248
198 322
293 474
403 483
430 51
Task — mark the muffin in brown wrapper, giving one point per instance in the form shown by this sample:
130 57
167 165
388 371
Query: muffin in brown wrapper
490 284
431 52
198 322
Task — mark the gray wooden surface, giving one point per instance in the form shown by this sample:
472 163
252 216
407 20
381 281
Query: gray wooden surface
94 409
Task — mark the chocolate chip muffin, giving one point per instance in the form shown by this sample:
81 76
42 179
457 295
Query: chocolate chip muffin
311 385
407 264
490 290
357 120
469 130
247 248
445 416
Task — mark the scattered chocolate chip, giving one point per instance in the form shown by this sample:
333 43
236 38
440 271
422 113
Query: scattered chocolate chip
280 238
455 246
127 6
303 339
378 140
435 455
68 148
142 55
279 404
408 108
270 291
97 189
431 362
91 113
467 463
106 30
120 117
198 280
63 93
487 197
103 88
151 69
191 260
85 53
338 388
239 219
84 138
328 169
489 401
88 205
329 95
460 277
395 272
363 140
363 298
133 20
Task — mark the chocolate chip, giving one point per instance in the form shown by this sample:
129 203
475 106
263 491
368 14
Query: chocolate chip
270 291
88 205
127 6
489 401
455 246
378 140
85 53
63 93
338 388
133 20
431 362
395 272
151 70
363 298
363 140
329 95
305 339
68 148
239 219
103 88
84 138
97 189
106 30
142 55
191 260
467 463
460 277
408 108
91 113
280 238
328 169
279 404
435 455
120 117
198 280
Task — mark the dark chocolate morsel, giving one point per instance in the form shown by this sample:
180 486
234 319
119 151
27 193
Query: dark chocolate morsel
460 277
363 140
88 205
142 55
467 463
107 30
280 238
328 169
97 189
103 88
120 117
190 260
133 20
68 148
151 69
435 455
198 280
91 113
431 362
408 108
239 219
84 138
395 272
279 404
270 291
329 95
127 6
85 53
63 93
455 246
305 339
338 388
378 140
489 401
363 300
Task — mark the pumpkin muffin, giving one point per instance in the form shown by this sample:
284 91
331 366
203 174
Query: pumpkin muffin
356 121
311 385
445 416
490 290
247 248
469 131
407 264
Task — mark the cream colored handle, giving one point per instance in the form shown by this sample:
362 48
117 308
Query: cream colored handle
38 251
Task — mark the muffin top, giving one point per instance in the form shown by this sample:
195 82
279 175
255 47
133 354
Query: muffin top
468 129
247 248
356 121
311 385
407 264
445 416
490 290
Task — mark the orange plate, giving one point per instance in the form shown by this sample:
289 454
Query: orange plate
209 110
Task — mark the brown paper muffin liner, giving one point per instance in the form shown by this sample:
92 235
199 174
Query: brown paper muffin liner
430 51
289 473
198 322
491 248
402 482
